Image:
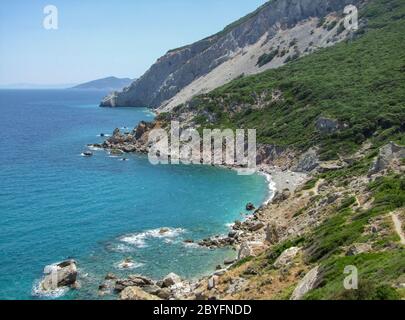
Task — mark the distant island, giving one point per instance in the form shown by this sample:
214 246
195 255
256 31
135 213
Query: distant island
109 83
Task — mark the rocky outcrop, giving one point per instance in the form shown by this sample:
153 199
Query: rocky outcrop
63 274
308 162
308 283
272 234
183 66
387 155
245 251
281 196
328 126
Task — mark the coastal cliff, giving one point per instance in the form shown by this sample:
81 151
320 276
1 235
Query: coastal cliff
290 27
336 117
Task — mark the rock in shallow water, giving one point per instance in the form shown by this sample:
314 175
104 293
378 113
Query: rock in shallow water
63 274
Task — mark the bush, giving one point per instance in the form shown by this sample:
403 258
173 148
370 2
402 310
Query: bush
368 290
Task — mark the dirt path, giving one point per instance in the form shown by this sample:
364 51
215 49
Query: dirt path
398 226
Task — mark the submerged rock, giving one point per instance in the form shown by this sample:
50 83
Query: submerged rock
88 154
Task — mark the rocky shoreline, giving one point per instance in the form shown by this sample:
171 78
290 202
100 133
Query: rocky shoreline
246 237
293 209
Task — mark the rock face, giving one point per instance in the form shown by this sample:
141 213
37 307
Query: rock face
328 126
388 153
63 274
183 66
281 196
310 282
272 234
245 251
308 162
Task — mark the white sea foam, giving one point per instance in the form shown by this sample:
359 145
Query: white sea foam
139 239
271 186
192 245
94 148
128 265
37 291
122 248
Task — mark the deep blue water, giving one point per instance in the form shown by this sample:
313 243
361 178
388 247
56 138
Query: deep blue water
56 204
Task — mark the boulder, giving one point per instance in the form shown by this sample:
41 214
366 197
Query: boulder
232 234
63 274
152 289
272 234
144 281
136 294
164 231
245 251
170 280
132 281
256 226
141 129
286 258
250 207
110 276
212 282
228 262
359 248
308 283
164 293
116 152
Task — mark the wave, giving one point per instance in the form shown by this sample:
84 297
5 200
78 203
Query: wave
128 265
95 148
121 248
37 291
271 186
139 239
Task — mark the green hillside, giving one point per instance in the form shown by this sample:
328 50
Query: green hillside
360 83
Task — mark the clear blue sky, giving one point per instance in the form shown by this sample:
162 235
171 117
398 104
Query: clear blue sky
99 38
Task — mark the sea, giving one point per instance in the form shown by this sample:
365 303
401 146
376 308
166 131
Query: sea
56 204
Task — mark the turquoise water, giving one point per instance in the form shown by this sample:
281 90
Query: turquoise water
56 204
